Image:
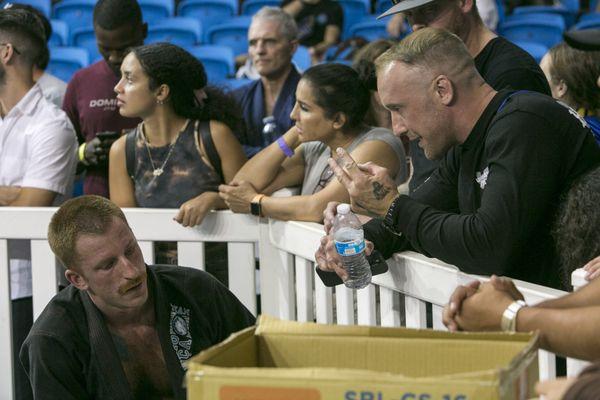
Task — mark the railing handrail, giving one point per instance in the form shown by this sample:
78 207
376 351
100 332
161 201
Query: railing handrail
281 245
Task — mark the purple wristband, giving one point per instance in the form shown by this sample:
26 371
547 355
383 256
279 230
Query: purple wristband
284 147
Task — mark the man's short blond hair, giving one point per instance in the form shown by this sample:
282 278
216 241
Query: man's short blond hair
437 50
85 215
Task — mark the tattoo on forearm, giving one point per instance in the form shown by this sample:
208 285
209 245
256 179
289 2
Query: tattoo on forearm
380 191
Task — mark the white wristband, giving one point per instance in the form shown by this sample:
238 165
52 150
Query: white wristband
509 316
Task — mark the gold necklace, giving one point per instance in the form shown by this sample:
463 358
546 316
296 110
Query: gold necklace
158 171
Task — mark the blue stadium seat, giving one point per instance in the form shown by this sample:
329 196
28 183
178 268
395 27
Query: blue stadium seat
60 33
232 84
534 30
208 12
45 6
182 31
155 10
302 58
540 16
591 24
569 16
536 50
219 62
76 13
354 11
232 33
591 16
64 61
572 5
382 6
86 38
251 7
370 29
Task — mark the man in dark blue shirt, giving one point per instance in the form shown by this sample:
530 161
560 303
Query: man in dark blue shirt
270 99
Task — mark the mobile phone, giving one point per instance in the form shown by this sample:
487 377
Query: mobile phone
108 136
376 261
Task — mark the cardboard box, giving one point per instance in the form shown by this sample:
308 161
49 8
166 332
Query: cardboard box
284 360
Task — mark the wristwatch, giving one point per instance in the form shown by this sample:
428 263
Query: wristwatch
255 207
509 316
388 219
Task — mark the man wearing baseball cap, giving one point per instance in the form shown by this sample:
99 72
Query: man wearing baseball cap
501 63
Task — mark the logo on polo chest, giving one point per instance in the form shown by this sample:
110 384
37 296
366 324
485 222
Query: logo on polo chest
106 104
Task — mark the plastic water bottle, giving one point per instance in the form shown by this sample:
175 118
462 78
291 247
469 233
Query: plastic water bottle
350 244
269 129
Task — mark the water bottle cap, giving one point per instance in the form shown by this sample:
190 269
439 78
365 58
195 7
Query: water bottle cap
343 208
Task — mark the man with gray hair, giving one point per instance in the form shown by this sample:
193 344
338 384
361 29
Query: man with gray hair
267 102
506 159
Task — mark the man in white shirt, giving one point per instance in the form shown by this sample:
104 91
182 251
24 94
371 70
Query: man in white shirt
52 88
37 154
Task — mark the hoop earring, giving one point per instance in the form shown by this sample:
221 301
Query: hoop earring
160 102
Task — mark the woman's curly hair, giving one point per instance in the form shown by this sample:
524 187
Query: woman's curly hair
577 227
168 64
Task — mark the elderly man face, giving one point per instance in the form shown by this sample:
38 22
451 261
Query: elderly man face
270 51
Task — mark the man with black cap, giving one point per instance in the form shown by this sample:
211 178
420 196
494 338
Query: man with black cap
501 63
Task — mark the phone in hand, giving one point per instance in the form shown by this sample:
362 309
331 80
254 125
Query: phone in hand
376 261
108 136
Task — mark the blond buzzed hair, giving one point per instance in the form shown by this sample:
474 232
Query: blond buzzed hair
433 49
85 215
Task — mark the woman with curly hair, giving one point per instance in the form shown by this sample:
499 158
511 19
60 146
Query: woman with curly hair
184 147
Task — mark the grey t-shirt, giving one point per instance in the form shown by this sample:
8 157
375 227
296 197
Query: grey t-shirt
317 173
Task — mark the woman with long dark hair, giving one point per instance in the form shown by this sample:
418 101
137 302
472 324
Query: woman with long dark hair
331 104
184 147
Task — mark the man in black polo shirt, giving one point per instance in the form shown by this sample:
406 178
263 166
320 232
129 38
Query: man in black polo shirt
506 159
501 63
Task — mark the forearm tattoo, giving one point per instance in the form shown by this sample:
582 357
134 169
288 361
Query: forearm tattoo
380 191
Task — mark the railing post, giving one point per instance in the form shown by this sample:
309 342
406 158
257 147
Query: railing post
6 352
43 275
276 277
575 366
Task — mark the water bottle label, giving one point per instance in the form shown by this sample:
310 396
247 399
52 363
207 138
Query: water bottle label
350 248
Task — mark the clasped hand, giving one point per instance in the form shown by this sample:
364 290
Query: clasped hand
238 196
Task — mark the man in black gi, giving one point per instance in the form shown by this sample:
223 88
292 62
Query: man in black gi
122 329
507 157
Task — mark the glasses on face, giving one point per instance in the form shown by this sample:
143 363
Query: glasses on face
324 180
11 45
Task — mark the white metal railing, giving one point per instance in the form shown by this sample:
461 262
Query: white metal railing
288 287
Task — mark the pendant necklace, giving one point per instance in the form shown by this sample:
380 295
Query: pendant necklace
158 171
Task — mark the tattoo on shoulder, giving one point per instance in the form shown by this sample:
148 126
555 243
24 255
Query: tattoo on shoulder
380 191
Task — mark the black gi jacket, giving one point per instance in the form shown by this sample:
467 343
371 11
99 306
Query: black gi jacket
70 354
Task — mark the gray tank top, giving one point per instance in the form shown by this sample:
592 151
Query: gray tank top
317 173
185 175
